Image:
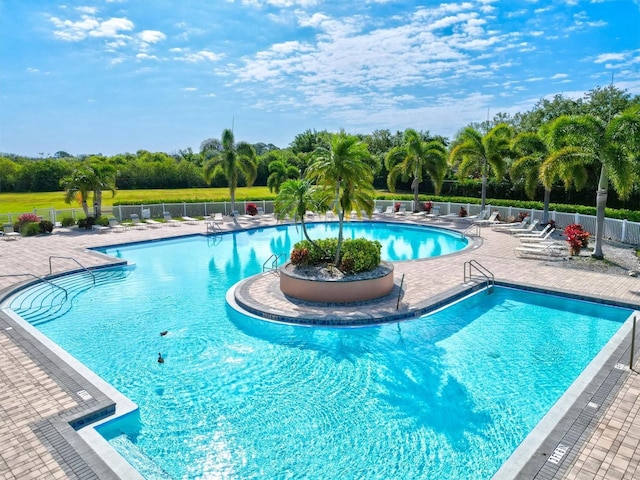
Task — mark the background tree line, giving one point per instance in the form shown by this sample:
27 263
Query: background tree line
188 169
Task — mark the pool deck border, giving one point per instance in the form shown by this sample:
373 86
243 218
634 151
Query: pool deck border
63 453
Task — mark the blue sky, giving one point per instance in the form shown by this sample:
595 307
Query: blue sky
116 76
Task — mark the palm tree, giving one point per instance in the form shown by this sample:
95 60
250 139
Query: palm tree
280 171
77 186
473 152
413 159
102 179
94 177
342 170
233 161
530 151
294 199
587 140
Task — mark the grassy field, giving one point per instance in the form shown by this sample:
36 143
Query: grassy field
26 202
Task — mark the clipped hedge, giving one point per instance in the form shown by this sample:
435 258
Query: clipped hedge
358 255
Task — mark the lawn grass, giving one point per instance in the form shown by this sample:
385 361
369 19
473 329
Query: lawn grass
27 202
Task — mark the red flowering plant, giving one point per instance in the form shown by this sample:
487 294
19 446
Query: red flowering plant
397 207
428 206
577 237
24 219
251 209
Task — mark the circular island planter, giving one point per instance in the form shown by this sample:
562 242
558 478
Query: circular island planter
323 286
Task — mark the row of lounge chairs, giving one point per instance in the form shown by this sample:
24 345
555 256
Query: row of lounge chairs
534 243
136 223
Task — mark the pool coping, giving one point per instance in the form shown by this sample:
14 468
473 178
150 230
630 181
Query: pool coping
81 447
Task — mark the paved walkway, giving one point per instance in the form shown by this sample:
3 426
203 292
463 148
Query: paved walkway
40 395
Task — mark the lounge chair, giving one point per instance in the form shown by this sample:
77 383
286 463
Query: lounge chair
402 210
136 223
536 234
9 234
390 210
117 226
493 219
476 218
170 221
551 249
99 228
152 223
541 239
189 220
434 213
377 211
508 226
528 229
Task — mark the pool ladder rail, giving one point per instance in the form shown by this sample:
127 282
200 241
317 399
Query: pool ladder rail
472 266
271 264
472 229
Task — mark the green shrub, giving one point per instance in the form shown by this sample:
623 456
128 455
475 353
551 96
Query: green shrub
46 226
30 229
87 222
68 222
358 255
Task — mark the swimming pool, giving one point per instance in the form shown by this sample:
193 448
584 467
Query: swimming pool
240 398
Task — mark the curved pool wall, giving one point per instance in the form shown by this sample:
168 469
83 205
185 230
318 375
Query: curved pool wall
129 477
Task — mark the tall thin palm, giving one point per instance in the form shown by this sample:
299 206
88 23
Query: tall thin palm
103 179
342 169
415 158
472 152
279 172
586 140
233 161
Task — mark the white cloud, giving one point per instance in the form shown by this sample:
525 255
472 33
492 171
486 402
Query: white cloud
189 89
196 57
90 26
151 36
559 76
608 57
33 70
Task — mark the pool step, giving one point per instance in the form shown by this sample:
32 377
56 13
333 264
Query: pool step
149 469
47 301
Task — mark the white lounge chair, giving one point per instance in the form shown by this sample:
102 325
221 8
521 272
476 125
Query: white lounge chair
551 249
434 213
488 221
170 221
536 234
528 229
8 233
508 226
152 223
189 220
99 228
136 223
402 210
390 210
117 226
542 239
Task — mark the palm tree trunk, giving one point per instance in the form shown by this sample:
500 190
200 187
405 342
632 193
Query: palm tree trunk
232 191
98 196
416 189
601 203
85 206
483 198
547 200
336 260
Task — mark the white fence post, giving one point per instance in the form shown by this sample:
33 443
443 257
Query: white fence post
577 218
624 231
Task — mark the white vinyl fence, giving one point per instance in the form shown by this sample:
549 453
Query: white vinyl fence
618 230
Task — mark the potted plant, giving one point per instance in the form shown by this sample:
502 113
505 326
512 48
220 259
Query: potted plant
251 209
428 205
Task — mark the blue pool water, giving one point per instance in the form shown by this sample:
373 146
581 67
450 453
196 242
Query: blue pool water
446 396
